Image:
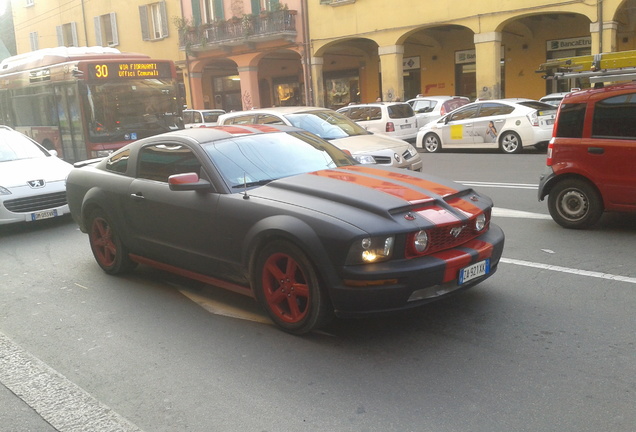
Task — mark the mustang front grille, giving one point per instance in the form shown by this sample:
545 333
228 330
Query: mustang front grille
36 202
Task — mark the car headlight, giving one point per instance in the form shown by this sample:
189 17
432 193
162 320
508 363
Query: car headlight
412 151
364 159
371 250
480 222
420 241
4 191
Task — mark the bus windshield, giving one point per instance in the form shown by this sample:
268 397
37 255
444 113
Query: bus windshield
131 109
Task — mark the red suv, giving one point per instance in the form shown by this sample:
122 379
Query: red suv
591 164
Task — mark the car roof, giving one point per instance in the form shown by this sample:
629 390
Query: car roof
277 110
215 133
437 98
599 92
375 104
204 110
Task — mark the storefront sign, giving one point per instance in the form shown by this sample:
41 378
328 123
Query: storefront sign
571 43
409 63
466 56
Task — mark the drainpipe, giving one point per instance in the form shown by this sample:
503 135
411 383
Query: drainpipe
599 16
309 97
84 19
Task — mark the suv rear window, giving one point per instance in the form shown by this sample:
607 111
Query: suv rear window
614 117
400 111
571 120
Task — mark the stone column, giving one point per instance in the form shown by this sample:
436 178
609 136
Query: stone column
488 65
392 72
250 95
317 81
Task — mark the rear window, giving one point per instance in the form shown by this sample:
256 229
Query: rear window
400 111
539 106
614 117
363 113
209 117
570 121
453 104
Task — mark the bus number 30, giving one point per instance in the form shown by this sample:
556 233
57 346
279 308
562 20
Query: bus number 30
101 71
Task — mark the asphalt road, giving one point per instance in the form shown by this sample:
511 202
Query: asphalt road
547 344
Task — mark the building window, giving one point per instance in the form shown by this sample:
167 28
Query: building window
154 21
213 10
106 30
67 35
33 39
30 3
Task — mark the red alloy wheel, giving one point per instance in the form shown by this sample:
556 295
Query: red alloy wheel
285 288
104 247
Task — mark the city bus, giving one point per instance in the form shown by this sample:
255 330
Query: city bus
85 102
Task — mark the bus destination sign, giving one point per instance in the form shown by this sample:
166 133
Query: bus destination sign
129 70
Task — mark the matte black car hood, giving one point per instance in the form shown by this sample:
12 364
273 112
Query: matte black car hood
384 192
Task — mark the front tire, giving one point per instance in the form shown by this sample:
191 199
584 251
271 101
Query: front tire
510 142
575 203
431 143
108 249
287 285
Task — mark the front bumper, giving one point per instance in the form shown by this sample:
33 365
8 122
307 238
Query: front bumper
416 281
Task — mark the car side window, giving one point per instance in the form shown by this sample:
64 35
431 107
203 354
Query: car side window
197 117
159 161
269 119
118 162
494 109
463 114
241 119
571 120
188 117
614 117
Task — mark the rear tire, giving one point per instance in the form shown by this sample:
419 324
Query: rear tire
287 285
108 249
575 203
431 143
510 142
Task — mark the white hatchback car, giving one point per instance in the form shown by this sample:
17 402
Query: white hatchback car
201 118
507 124
395 119
32 180
431 108
364 146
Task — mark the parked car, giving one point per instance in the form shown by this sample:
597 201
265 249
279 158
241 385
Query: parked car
431 108
507 124
395 119
554 98
32 180
201 118
364 146
279 214
591 160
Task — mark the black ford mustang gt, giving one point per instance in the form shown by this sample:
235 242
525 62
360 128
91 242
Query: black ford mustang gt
281 215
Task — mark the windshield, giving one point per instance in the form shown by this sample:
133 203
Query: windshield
14 146
326 124
252 160
118 111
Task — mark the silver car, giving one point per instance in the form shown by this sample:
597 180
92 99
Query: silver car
364 146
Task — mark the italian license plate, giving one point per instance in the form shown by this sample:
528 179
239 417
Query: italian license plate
405 126
46 214
474 271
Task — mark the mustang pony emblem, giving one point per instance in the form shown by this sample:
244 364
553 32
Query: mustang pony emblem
456 231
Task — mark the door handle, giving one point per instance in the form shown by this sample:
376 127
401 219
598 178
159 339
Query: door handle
596 150
138 196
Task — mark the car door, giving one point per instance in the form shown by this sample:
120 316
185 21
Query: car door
489 122
176 227
457 127
610 151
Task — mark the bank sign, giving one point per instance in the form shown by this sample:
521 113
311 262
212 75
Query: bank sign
571 43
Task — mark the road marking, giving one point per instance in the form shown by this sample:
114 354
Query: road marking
569 270
498 185
509 213
224 309
64 405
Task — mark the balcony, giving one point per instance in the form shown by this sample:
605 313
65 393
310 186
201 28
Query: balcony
249 29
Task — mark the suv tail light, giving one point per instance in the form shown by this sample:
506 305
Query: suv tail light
549 160
390 127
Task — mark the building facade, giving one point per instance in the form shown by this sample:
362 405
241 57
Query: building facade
241 54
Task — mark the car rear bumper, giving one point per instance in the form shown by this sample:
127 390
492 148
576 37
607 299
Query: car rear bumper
404 284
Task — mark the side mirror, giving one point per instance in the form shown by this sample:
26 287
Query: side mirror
188 182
